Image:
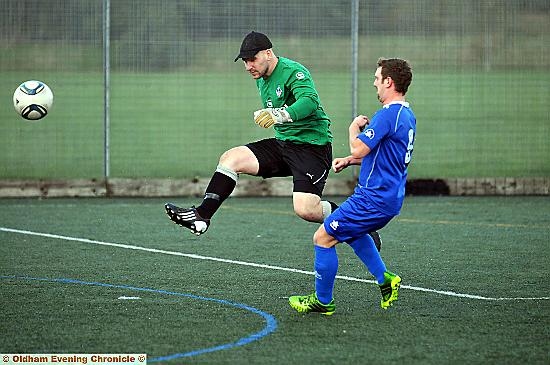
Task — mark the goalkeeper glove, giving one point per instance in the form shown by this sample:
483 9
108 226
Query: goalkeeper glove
269 116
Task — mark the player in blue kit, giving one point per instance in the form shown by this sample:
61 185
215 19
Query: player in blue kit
383 147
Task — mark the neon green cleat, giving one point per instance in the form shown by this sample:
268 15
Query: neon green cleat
310 303
389 289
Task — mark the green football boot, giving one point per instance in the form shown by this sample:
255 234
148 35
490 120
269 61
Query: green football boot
389 289
310 303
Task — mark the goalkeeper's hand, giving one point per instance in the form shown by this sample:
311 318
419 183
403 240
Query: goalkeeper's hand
269 116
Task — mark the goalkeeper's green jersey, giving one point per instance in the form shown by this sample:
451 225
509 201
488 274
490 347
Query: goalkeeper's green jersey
291 86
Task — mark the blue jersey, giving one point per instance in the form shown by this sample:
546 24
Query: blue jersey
390 136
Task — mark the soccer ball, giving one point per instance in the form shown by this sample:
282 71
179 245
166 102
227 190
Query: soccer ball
32 100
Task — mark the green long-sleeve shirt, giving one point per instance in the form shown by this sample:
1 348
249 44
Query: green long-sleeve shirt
291 86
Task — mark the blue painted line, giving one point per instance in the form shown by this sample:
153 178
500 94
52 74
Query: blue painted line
270 321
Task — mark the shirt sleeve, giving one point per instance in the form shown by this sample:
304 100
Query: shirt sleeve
373 133
307 99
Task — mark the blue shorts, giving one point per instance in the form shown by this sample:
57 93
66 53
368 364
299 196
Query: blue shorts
355 218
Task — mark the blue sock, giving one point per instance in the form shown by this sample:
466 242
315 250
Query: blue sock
365 249
326 266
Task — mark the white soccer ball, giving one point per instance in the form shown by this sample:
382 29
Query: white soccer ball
32 100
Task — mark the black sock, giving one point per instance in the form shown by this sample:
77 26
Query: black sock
219 189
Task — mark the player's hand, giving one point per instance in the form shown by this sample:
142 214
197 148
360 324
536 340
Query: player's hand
361 121
269 116
340 163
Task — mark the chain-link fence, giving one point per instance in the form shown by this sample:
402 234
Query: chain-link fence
177 100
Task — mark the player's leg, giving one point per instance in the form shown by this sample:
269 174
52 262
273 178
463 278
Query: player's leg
326 264
365 249
309 206
238 160
351 223
388 282
232 162
310 166
377 239
389 289
326 267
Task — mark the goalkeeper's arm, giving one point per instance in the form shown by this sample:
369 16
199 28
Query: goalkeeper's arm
269 116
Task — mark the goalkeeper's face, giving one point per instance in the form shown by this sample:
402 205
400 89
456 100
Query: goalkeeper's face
260 65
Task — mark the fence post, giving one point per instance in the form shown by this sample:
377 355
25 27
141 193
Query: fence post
106 86
354 55
354 64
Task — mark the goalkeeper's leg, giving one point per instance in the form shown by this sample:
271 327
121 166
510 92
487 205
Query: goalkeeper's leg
197 219
311 208
219 188
232 162
188 218
237 160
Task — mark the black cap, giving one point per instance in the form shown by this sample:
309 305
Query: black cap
253 43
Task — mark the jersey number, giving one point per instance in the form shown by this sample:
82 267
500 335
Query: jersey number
408 155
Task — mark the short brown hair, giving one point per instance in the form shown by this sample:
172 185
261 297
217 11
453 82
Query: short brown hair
399 70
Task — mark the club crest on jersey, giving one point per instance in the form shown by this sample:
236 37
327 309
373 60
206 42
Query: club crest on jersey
279 91
300 75
369 133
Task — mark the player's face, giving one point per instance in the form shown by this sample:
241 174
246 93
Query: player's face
257 66
380 85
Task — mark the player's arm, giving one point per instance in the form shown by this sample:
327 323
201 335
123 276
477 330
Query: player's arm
306 102
269 116
340 163
358 148
306 97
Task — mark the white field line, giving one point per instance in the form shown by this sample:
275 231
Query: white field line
252 264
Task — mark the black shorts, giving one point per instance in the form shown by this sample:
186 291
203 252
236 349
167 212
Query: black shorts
308 164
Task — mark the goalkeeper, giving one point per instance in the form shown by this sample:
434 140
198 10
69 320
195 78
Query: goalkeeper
301 148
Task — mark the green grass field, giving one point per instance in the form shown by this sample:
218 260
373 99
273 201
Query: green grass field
470 124
475 291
